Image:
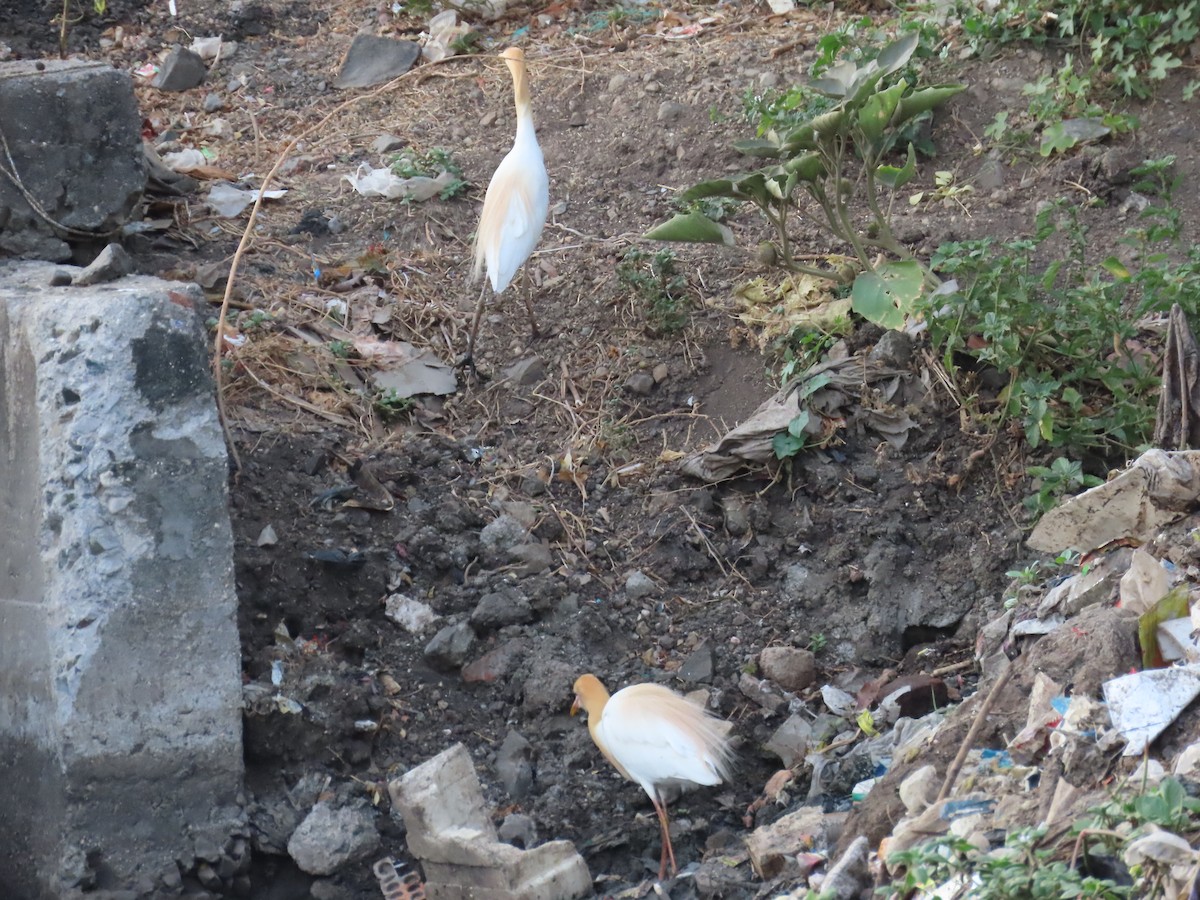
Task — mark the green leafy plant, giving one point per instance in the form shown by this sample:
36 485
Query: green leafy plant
825 164
1067 337
1023 871
410 163
788 443
1052 483
662 288
818 642
391 406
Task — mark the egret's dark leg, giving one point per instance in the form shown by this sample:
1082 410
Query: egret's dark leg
468 361
529 302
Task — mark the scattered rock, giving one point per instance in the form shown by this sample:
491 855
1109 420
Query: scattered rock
450 646
61 277
514 766
640 383
736 514
112 263
267 537
500 537
791 668
669 110
760 692
638 585
527 371
329 838
373 60
495 664
182 70
791 740
779 850
213 103
506 606
660 373
412 615
850 877
894 348
548 686
518 830
920 789
388 143
699 665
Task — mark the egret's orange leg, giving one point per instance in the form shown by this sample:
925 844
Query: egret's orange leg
668 850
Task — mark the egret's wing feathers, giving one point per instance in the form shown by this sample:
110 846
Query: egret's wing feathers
514 213
657 737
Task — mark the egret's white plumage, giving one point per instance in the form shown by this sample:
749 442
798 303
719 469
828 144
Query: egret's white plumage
516 203
656 738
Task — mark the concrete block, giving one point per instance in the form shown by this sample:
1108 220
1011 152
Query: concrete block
73 134
451 832
120 687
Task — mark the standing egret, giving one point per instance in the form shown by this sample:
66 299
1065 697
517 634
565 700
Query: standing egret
515 206
657 738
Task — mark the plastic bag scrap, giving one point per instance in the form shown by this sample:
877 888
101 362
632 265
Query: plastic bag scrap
228 201
831 393
372 182
1143 704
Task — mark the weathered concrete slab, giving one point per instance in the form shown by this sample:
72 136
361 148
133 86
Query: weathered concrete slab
73 135
120 689
451 832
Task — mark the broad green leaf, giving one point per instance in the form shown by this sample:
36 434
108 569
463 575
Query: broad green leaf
759 147
861 90
1116 269
1055 139
796 427
877 111
754 185
812 385
897 177
924 100
837 79
691 227
786 446
829 122
720 187
886 295
800 138
808 167
897 54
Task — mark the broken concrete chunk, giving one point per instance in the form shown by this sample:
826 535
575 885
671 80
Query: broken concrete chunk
412 615
514 765
780 849
331 837
182 70
373 60
450 646
451 832
1152 493
792 668
791 740
112 263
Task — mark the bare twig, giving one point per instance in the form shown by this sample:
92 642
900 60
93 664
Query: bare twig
976 726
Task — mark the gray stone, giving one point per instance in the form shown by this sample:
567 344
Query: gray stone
74 136
640 383
699 665
669 111
850 877
373 60
388 143
112 263
331 837
791 668
120 721
791 740
451 832
548 686
506 606
182 70
500 537
451 646
527 371
894 348
213 103
760 692
518 830
638 585
736 513
514 765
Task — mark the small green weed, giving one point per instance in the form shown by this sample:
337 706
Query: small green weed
341 349
410 163
1052 483
663 290
818 642
392 406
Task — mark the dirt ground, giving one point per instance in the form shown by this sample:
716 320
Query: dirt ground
866 552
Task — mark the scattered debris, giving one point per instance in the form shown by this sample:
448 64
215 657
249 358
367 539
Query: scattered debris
373 60
182 70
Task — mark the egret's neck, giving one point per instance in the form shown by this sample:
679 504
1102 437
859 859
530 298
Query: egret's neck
520 76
